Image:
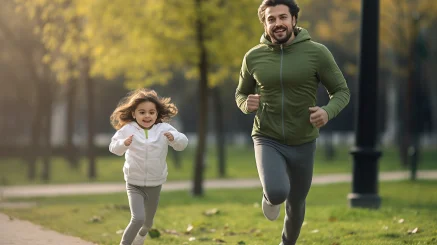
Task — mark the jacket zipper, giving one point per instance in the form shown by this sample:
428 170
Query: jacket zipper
282 89
146 134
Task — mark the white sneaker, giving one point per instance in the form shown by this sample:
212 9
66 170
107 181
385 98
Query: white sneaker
271 212
139 240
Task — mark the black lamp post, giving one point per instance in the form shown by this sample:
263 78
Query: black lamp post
365 156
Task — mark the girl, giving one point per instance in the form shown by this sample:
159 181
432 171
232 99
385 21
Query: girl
143 136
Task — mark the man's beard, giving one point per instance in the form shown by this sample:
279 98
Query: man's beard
282 40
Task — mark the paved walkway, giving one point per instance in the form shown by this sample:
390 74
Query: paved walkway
19 232
101 188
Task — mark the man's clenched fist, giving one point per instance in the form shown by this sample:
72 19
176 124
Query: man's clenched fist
252 102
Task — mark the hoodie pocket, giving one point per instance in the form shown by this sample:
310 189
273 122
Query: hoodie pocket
261 115
156 168
133 171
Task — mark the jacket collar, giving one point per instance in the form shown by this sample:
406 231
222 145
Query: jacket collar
135 124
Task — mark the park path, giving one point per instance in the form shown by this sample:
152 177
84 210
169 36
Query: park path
102 188
20 232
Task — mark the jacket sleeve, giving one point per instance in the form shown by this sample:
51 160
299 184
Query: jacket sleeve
180 141
246 86
117 142
334 82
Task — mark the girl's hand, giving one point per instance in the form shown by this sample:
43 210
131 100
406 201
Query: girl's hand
169 136
128 141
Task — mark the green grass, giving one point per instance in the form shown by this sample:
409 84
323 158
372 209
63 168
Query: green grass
240 164
239 217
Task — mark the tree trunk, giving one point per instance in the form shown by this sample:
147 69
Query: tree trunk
71 153
203 102
34 144
47 146
329 145
89 86
220 134
431 75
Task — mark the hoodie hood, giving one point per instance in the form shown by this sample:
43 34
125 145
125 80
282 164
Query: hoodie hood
302 35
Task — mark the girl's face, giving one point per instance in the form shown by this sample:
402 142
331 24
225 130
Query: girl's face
146 114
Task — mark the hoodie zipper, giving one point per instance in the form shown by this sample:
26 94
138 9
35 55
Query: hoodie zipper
282 89
146 134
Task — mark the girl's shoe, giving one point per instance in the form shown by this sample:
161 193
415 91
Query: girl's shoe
139 240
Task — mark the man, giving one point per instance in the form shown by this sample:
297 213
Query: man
278 81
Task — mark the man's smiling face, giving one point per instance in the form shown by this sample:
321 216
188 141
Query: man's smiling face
279 24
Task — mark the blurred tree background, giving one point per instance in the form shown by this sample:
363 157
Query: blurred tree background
65 64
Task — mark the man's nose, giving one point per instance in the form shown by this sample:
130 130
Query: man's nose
278 22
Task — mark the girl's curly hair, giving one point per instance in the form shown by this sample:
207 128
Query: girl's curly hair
123 113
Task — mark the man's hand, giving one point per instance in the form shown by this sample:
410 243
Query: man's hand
128 141
318 116
252 102
169 136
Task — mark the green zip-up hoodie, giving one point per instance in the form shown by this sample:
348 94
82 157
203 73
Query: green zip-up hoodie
287 77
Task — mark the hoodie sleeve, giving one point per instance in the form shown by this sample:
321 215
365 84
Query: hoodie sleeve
117 142
334 82
180 141
246 86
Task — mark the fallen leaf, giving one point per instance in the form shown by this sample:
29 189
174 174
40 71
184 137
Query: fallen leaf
154 233
119 232
255 231
332 219
314 231
172 232
211 212
192 239
414 231
95 219
189 229
229 233
401 221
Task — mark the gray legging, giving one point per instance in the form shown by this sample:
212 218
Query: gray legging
143 202
286 173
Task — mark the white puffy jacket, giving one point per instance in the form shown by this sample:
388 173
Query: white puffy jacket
145 163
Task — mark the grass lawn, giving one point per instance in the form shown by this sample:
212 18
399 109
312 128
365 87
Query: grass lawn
239 219
240 164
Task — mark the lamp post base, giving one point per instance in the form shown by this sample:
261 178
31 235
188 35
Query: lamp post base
356 200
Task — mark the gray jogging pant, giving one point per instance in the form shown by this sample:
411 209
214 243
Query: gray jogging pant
286 173
143 202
